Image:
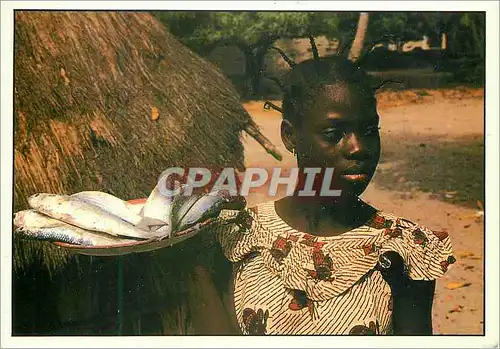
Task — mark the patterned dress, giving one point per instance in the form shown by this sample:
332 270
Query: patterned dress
289 282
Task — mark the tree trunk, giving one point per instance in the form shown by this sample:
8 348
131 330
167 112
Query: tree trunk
258 66
254 62
357 45
478 43
249 69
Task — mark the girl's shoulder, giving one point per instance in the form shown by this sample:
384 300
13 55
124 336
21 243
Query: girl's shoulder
427 253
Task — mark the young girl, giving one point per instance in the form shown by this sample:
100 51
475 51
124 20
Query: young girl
316 264
330 265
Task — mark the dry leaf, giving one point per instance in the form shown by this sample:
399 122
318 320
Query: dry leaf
457 309
462 255
455 285
155 114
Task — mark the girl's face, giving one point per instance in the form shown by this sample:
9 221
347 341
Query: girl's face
339 130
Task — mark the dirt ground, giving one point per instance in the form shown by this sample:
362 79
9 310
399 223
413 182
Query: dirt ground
431 171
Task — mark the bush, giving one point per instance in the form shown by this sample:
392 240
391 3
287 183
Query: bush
382 59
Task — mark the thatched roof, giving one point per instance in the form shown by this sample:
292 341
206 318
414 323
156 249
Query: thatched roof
87 85
88 88
107 101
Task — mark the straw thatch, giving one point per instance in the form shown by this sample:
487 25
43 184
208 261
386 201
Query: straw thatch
88 86
107 101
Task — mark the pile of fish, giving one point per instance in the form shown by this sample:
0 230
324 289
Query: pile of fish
97 223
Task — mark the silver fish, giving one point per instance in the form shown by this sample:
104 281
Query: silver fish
110 203
208 206
135 208
181 206
84 215
157 213
34 225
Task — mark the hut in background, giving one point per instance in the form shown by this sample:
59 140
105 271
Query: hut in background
107 101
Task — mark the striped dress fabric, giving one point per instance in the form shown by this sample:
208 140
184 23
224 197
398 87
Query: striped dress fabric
290 282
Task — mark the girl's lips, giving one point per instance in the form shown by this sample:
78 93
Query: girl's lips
355 177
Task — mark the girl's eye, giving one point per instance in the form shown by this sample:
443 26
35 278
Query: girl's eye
333 133
371 130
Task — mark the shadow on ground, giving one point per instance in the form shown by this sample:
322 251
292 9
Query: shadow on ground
451 170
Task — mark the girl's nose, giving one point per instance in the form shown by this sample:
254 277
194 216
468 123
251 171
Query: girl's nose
355 148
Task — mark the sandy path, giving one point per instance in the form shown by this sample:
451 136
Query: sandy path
435 125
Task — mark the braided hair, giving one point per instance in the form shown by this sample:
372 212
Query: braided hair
308 78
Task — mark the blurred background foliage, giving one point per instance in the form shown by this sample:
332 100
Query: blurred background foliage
254 32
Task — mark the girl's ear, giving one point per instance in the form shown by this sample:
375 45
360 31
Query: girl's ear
288 135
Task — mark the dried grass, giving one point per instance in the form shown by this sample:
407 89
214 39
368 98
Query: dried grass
85 87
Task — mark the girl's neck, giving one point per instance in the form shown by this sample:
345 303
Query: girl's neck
324 217
327 205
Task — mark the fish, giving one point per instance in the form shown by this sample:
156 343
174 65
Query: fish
136 206
181 206
34 225
84 215
207 206
157 212
110 203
